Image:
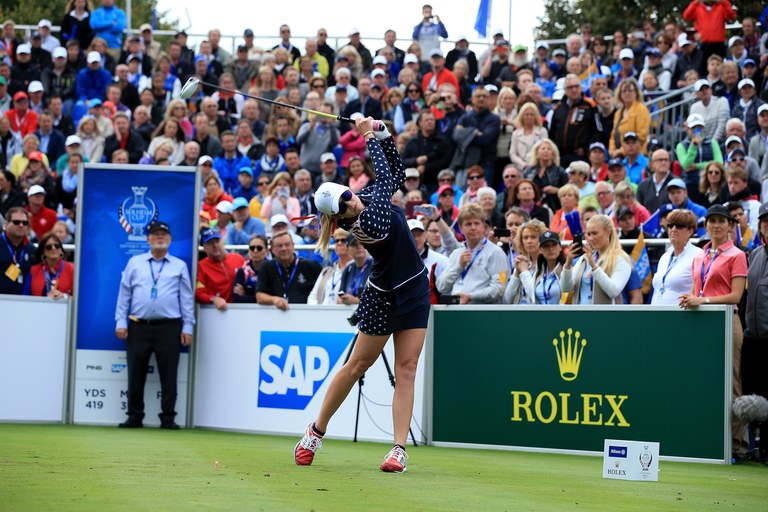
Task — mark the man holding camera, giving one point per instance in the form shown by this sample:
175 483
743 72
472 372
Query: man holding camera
429 32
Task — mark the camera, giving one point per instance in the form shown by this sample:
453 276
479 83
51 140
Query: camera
424 210
578 241
283 192
450 300
499 232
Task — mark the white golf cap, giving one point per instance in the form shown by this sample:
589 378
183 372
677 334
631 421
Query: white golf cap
746 81
35 189
436 52
59 52
733 138
682 40
353 31
491 88
762 108
224 207
205 159
35 86
626 53
325 157
694 120
327 197
94 56
733 40
278 218
415 224
411 58
542 44
380 59
702 82
44 23
24 48
378 72
73 139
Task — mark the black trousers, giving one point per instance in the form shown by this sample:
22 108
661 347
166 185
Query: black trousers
164 340
754 378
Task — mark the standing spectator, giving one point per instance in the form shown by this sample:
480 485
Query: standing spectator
691 58
462 52
15 252
59 80
51 139
354 277
66 182
366 60
485 127
754 351
719 277
10 194
439 74
696 151
52 276
287 278
92 82
573 127
428 152
546 173
322 46
24 70
745 108
674 275
429 31
154 314
244 226
23 121
709 19
244 290
41 217
108 23
652 191
758 145
714 111
229 162
631 117
216 272
316 137
76 24
125 138
528 132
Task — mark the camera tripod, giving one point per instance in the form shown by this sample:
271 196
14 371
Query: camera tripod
361 381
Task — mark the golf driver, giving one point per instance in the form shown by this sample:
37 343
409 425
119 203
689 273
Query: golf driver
191 86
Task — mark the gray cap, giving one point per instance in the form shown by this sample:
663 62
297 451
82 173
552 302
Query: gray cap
763 211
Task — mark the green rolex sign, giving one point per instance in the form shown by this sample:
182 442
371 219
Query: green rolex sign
567 378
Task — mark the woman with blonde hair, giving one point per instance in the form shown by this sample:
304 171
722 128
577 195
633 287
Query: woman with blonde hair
77 23
528 132
354 61
281 198
597 270
528 245
569 199
631 116
393 98
625 196
178 110
92 142
505 109
169 130
394 303
164 65
546 173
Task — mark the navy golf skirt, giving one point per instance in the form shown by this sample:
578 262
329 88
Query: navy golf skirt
407 307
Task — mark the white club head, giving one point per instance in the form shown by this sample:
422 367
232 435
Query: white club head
189 88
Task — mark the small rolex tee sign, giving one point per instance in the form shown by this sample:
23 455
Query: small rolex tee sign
631 460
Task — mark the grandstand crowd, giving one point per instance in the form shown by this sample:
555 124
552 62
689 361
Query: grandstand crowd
526 133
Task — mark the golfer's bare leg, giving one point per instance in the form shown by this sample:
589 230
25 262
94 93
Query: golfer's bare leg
408 345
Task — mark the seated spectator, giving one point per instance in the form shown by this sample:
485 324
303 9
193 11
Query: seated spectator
546 173
216 272
738 190
743 236
247 143
359 175
625 197
542 284
10 194
527 196
601 269
61 230
280 222
354 277
477 272
713 185
41 218
23 121
214 195
528 132
528 245
446 204
126 138
475 181
66 183
51 139
713 110
244 290
16 252
20 161
52 276
281 198
222 220
735 141
696 151
737 158
245 186
628 228
162 153
569 199
287 278
244 226
652 191
169 130
229 162
673 276
605 194
37 173
578 176
746 106
254 205
91 139
486 198
678 196
142 123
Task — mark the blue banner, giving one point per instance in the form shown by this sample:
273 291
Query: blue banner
116 205
483 18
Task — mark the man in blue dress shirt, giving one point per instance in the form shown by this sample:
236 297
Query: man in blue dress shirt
155 313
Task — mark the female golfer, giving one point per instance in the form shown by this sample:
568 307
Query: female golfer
396 300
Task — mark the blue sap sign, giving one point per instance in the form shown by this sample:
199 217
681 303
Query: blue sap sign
293 366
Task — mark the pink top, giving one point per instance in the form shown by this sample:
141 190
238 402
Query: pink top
729 262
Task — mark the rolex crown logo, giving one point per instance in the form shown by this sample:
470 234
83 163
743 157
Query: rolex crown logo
569 353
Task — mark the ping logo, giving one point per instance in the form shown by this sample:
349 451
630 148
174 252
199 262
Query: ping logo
617 451
569 354
293 366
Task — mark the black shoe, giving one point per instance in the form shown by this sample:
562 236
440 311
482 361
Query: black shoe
170 425
131 424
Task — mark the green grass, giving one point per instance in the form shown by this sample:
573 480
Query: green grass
54 467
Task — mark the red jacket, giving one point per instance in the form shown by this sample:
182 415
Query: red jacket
215 279
25 125
445 76
43 222
65 282
710 23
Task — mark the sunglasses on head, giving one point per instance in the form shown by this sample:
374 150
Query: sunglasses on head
345 196
20 222
256 248
49 247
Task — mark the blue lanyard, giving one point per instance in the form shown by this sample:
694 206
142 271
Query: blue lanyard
705 275
477 253
546 288
153 292
13 254
290 279
672 261
48 280
356 286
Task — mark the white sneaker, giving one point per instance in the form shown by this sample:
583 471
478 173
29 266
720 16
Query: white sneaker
304 452
395 461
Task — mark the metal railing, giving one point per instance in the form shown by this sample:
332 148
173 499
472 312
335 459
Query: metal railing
668 111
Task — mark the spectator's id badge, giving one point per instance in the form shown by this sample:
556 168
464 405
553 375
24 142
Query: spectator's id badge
153 293
13 272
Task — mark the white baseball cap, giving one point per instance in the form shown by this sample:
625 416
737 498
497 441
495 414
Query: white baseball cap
380 59
35 189
94 56
327 197
44 23
733 40
224 207
327 156
694 120
410 58
415 224
204 159
746 81
702 82
542 44
762 108
73 139
279 218
24 48
35 86
626 53
378 72
682 40
59 51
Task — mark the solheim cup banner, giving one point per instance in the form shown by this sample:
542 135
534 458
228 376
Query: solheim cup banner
116 205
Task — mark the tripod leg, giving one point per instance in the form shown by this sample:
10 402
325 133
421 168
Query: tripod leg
360 383
392 381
